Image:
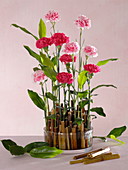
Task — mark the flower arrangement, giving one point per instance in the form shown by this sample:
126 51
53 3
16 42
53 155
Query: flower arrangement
67 102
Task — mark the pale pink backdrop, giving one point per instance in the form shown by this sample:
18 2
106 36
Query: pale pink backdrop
109 33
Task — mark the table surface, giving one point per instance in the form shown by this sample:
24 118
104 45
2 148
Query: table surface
26 162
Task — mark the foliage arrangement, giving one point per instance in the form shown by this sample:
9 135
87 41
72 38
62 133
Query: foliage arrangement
66 66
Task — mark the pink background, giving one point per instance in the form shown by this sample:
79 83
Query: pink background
18 115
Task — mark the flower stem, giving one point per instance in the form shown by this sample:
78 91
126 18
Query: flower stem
89 98
80 58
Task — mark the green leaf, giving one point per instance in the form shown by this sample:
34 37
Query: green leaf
117 131
51 96
82 78
45 152
53 116
42 29
7 143
37 100
114 138
49 72
16 150
54 60
103 62
82 94
46 61
83 103
24 30
33 145
33 54
103 85
36 69
55 87
99 111
78 121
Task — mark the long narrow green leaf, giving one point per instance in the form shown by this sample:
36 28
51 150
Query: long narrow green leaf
46 61
82 78
33 54
103 62
103 85
42 29
24 30
49 72
37 100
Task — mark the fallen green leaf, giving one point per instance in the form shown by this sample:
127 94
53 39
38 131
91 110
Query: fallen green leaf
45 152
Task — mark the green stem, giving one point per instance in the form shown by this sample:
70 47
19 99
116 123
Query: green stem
58 70
64 100
89 98
80 58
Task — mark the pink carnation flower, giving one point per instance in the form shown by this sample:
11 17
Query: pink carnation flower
52 16
64 77
83 22
59 39
66 58
72 47
92 68
44 42
91 51
39 76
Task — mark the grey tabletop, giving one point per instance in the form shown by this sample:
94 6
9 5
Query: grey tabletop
25 162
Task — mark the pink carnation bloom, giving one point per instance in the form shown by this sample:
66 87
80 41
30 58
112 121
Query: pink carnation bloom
59 39
66 58
91 51
64 77
52 16
83 22
44 42
92 68
72 47
39 76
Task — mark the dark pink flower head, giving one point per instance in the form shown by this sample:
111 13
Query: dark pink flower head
39 76
64 77
52 16
91 51
92 68
59 39
71 47
66 58
44 42
83 22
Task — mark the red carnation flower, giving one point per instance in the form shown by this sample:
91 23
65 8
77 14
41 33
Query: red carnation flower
92 68
59 39
66 58
64 77
44 42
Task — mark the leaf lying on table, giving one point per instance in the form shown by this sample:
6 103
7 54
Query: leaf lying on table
16 150
35 149
113 134
45 152
7 143
33 145
117 131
